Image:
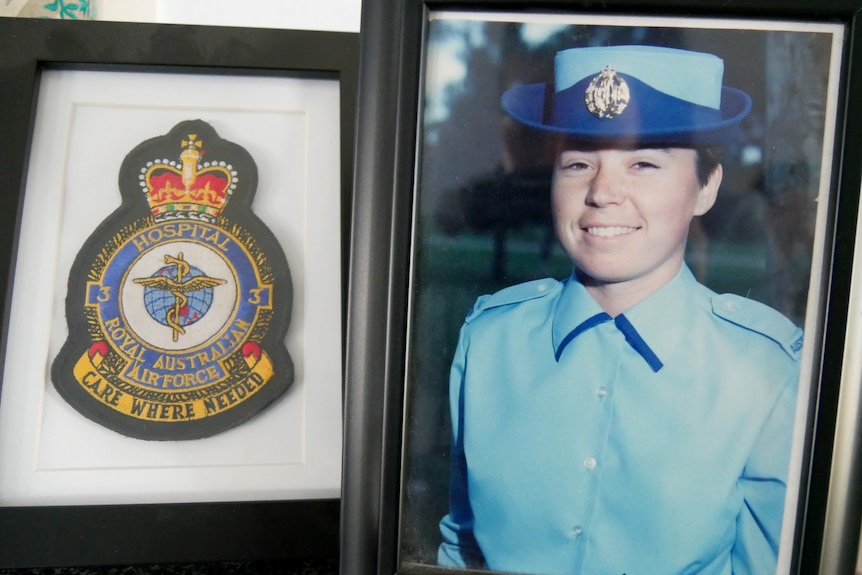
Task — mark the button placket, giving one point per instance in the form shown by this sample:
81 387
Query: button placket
596 397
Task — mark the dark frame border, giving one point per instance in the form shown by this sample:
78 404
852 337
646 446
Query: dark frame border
160 533
393 36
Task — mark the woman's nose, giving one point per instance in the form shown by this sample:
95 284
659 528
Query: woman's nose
605 188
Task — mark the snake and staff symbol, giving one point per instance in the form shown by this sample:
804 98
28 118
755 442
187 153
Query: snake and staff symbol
178 294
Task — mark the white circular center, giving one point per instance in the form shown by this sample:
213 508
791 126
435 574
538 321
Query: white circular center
158 335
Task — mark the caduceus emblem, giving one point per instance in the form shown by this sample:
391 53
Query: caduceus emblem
607 94
177 281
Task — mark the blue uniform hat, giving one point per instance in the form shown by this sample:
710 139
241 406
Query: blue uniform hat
633 94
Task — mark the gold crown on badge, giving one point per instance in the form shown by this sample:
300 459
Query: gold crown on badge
188 189
607 94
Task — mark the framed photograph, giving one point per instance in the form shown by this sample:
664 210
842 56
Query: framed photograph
175 239
531 388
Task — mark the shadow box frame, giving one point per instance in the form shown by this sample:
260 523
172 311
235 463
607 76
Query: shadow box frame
389 123
138 533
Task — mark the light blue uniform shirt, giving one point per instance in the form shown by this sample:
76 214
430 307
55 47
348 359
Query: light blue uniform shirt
654 443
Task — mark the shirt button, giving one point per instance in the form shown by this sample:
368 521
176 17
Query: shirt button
590 462
541 287
602 392
578 531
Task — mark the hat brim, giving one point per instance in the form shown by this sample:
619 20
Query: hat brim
651 118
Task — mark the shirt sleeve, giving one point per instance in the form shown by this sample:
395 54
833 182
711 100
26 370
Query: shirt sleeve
763 484
459 547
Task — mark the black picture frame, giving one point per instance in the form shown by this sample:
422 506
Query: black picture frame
90 535
393 40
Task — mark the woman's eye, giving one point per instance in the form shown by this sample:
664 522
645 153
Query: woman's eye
644 165
574 166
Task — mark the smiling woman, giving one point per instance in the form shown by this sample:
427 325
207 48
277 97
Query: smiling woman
595 343
623 216
632 321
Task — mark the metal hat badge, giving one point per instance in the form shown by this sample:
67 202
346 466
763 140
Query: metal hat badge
633 95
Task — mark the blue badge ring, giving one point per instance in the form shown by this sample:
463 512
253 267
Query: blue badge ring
651 117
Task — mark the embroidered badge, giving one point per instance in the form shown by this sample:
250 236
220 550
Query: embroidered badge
179 302
607 95
796 346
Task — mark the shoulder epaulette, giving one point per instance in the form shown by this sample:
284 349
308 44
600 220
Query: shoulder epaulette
759 318
513 294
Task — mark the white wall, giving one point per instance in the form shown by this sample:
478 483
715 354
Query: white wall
334 15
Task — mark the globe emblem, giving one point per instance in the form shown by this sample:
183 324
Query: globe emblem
159 302
178 294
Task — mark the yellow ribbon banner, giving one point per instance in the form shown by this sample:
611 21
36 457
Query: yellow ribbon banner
150 405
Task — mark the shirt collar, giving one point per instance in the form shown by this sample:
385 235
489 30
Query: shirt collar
575 313
653 327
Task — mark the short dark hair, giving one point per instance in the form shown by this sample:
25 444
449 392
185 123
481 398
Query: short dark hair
706 162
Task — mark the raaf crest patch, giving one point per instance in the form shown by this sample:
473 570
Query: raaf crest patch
179 302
